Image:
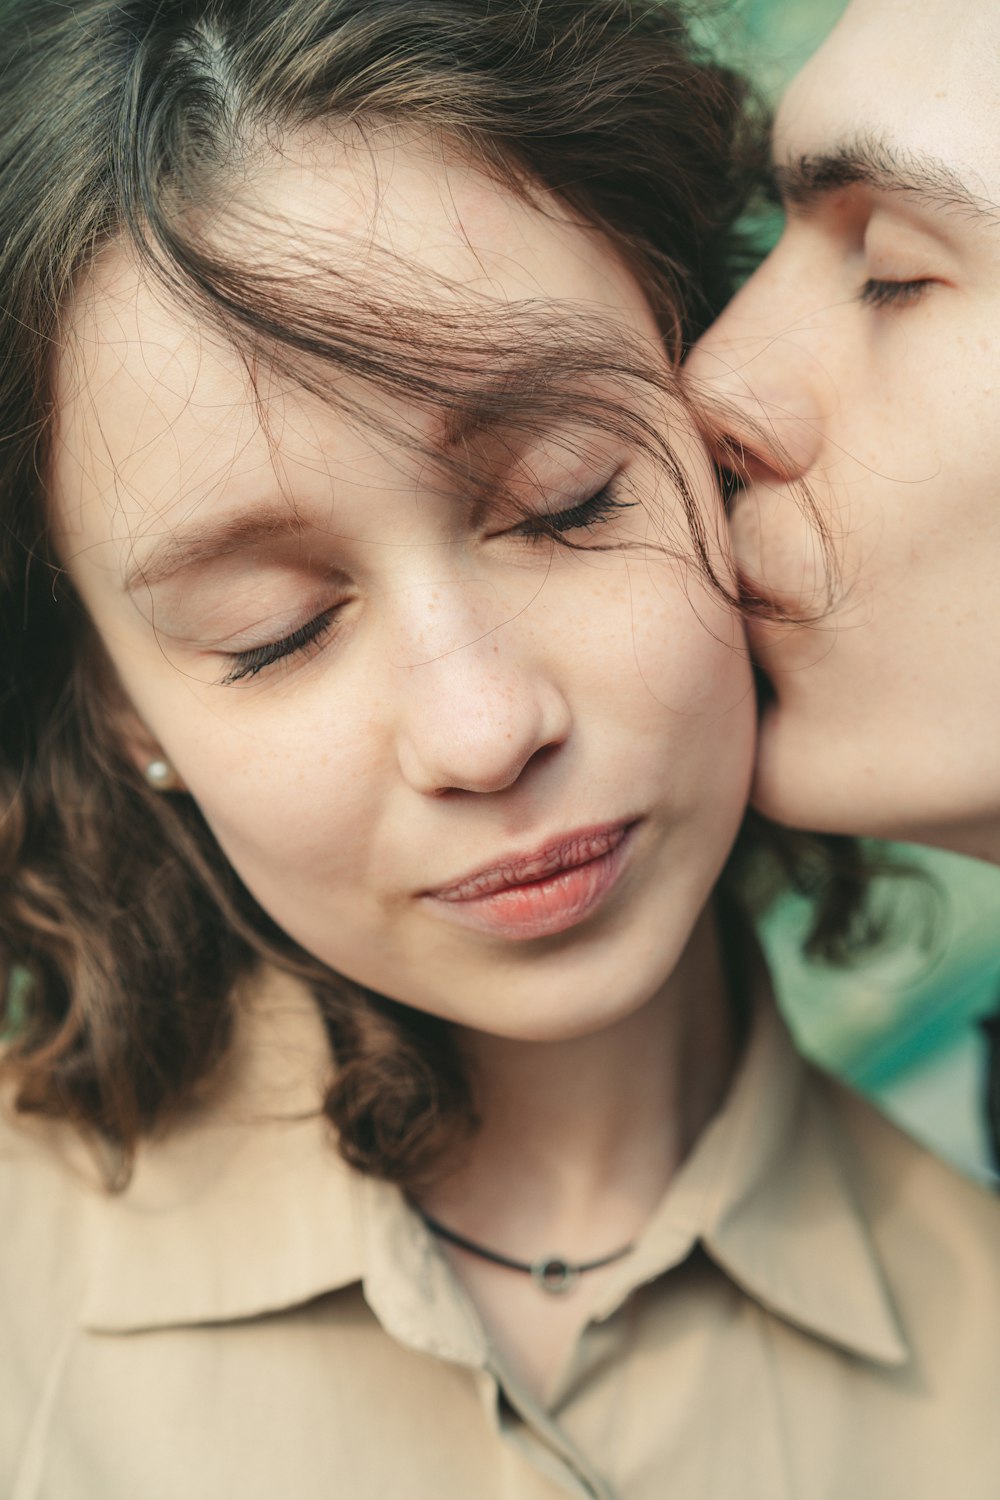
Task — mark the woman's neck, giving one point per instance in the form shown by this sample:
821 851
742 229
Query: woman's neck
580 1138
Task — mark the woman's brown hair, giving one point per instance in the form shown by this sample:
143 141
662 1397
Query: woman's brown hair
123 930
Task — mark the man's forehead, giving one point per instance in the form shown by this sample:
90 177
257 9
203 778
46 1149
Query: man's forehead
918 82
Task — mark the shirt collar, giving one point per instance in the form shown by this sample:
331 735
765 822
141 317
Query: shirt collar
246 1207
787 1221
769 1192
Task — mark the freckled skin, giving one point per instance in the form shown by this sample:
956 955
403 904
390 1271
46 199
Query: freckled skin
479 694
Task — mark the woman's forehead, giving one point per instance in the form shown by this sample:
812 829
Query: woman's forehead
141 392
151 399
422 199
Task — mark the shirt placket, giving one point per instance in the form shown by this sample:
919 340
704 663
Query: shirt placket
416 1298
525 1425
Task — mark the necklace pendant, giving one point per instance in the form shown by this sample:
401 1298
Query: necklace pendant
553 1274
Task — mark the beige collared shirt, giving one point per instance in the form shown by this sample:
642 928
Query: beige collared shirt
813 1311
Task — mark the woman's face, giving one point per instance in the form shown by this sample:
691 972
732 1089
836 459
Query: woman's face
476 771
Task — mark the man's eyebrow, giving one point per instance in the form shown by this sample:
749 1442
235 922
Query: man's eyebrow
868 161
205 541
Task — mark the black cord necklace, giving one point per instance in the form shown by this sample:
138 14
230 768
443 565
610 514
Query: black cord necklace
551 1272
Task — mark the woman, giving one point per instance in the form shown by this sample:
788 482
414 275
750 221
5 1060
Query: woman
380 731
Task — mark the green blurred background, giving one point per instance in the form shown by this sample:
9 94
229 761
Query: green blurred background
904 1026
776 36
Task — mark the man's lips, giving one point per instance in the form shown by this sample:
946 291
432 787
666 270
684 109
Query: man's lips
562 854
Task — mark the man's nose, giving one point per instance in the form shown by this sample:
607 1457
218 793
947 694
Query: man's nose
760 369
477 713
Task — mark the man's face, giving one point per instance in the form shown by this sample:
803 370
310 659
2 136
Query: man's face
867 347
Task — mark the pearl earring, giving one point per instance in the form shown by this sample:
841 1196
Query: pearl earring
160 775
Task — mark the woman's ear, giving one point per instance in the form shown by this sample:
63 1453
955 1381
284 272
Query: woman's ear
116 723
146 753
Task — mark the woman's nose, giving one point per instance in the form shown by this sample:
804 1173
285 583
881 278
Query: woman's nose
476 716
760 370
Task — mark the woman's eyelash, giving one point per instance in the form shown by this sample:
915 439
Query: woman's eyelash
258 658
585 514
877 293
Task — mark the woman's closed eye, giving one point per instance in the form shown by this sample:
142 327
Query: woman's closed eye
310 637
584 515
881 293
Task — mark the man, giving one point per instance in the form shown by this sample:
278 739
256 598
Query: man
862 362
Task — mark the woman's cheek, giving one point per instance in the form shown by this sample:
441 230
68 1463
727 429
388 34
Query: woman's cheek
292 792
688 647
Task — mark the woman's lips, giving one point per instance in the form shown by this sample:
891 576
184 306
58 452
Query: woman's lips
540 893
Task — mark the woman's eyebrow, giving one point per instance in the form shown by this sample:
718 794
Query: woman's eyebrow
485 418
871 161
204 541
